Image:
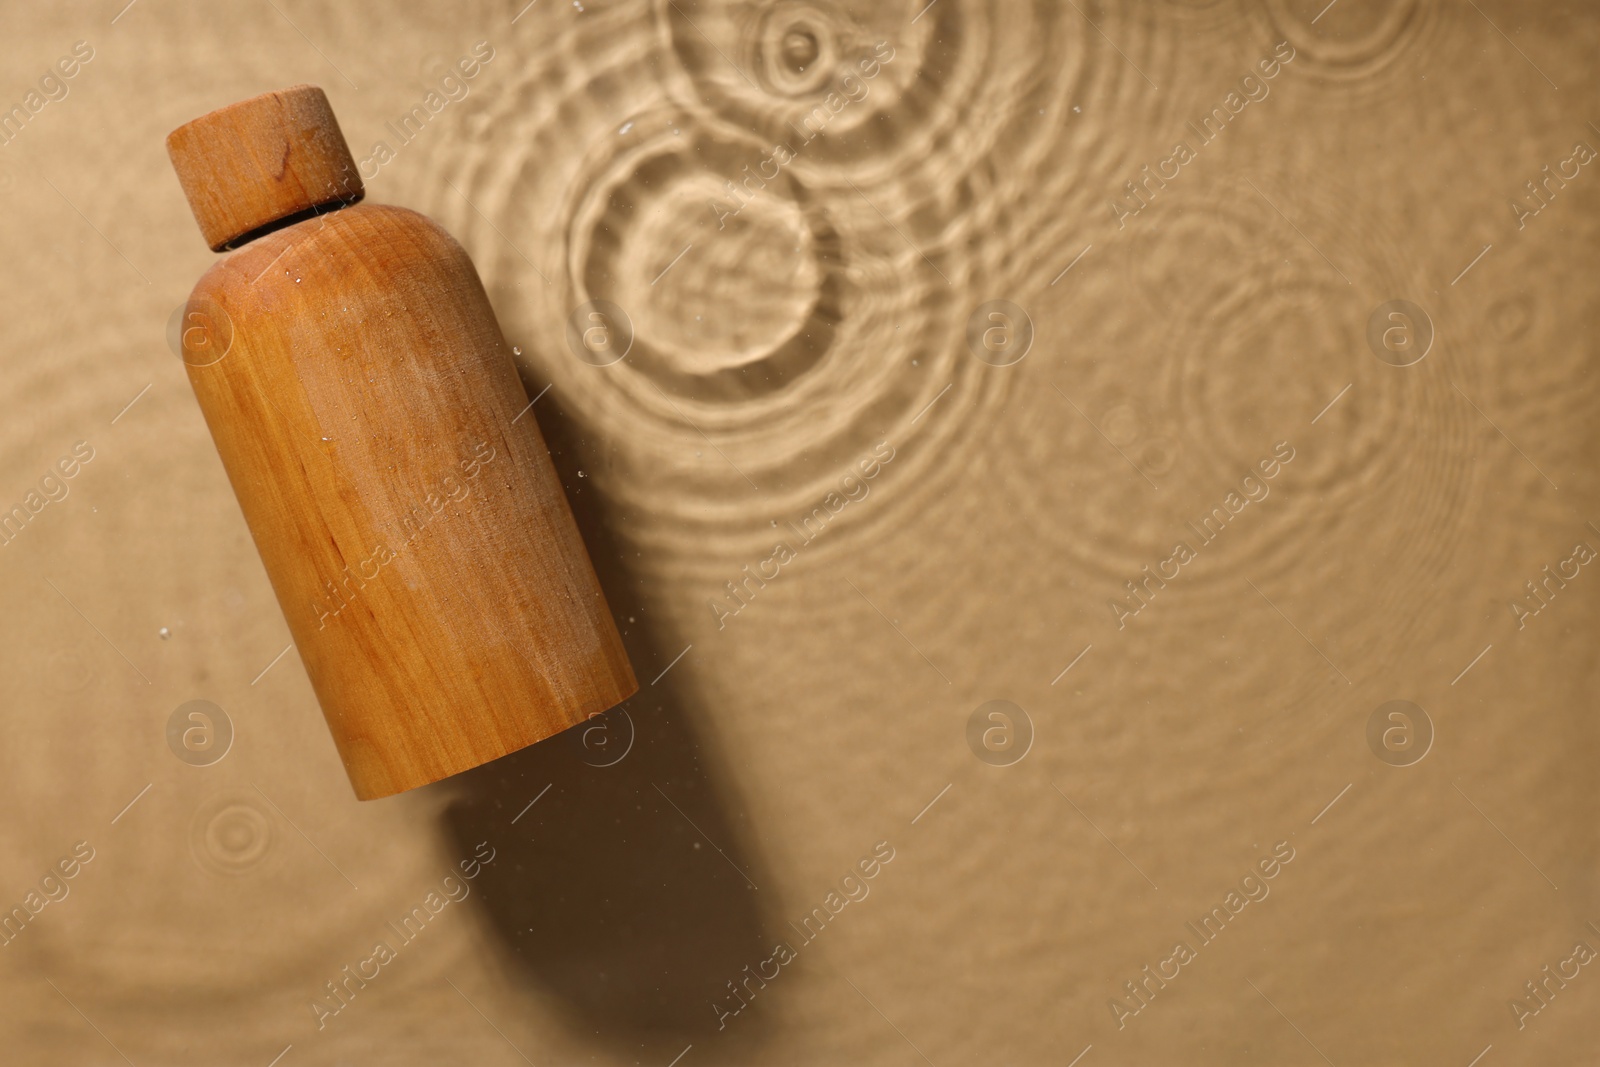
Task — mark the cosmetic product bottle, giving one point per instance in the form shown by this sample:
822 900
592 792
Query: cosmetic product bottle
385 455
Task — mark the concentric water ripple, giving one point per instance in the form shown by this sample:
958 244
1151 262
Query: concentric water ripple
233 835
1265 324
797 221
1364 48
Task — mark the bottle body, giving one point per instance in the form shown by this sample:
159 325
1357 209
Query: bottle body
379 441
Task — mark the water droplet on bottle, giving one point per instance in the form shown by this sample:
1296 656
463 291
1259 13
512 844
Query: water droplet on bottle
164 633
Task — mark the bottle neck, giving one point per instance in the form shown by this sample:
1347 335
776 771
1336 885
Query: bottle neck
315 211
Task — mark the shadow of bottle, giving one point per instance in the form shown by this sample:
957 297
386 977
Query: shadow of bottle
627 892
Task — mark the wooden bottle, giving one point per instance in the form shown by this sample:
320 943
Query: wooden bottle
378 438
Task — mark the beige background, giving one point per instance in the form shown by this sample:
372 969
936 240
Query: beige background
827 316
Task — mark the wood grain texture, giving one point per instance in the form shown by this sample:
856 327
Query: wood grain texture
412 524
257 162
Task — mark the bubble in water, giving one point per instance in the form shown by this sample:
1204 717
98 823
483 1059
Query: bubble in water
231 834
797 47
1511 317
800 49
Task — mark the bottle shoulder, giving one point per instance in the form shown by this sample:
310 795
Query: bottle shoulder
358 247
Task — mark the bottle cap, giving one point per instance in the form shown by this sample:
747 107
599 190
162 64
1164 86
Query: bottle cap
262 163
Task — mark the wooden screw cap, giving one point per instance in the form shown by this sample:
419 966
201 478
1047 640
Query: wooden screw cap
274 157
